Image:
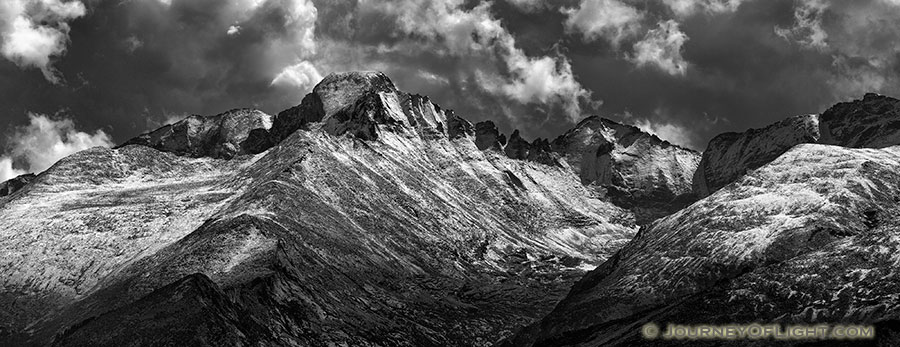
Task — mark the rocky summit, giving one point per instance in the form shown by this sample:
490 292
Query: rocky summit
371 216
638 170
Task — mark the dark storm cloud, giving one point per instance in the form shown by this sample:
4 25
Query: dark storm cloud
686 69
132 63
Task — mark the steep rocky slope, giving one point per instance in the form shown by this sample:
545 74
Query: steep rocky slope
639 171
94 213
807 238
873 122
375 221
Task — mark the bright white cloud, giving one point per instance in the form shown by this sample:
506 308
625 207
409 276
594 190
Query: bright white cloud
673 133
300 18
43 142
545 80
474 33
661 47
460 31
531 5
684 8
233 30
609 19
7 171
303 76
33 32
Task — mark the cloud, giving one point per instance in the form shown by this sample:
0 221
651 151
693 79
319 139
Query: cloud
684 8
545 80
7 171
609 19
807 29
529 5
41 143
300 19
475 36
302 76
233 30
661 47
673 133
33 32
459 31
145 59
860 39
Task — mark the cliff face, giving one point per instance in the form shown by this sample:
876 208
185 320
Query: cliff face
729 156
377 221
872 122
803 239
638 170
221 136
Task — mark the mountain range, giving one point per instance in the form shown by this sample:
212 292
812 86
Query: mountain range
370 216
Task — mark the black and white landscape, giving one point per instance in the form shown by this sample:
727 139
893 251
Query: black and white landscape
267 173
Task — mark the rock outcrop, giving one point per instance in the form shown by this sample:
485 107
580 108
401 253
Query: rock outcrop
15 184
487 136
221 136
872 122
805 239
730 155
639 171
339 90
310 110
536 151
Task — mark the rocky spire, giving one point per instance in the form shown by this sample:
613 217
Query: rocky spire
487 136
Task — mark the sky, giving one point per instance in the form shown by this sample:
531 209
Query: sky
81 73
